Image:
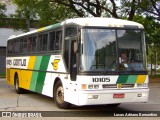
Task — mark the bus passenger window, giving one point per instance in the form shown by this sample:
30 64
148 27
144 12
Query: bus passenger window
45 41
51 40
58 40
29 44
40 42
24 45
16 47
10 48
34 40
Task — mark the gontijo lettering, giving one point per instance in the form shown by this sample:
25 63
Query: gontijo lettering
17 62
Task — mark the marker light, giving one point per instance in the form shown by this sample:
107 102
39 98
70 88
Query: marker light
92 96
142 95
84 86
142 85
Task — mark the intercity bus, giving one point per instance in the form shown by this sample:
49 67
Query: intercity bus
81 61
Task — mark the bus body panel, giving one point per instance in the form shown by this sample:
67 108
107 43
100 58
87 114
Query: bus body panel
34 77
106 97
128 87
51 54
35 73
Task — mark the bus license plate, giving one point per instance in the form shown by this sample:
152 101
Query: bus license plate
121 95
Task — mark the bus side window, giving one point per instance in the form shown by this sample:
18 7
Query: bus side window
40 43
58 41
24 45
34 41
10 48
51 40
29 44
71 31
17 47
45 42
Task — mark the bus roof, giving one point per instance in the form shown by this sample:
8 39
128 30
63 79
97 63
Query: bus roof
95 21
104 22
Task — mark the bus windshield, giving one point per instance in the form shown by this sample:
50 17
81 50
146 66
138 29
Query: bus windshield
112 50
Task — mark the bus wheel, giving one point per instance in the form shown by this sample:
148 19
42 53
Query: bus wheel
16 84
114 105
59 96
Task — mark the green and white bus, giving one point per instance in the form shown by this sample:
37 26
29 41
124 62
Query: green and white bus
81 61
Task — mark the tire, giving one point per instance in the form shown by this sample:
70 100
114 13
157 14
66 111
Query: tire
16 84
59 96
114 105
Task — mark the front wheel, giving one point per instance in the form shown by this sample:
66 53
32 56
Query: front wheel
59 96
114 105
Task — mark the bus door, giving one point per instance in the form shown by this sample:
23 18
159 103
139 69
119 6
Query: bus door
73 60
70 57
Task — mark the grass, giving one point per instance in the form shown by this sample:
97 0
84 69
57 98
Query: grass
3 75
154 76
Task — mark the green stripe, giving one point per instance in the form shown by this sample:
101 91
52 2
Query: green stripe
35 73
132 79
122 79
42 75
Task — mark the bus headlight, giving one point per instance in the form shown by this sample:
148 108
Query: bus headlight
144 85
93 86
96 86
89 87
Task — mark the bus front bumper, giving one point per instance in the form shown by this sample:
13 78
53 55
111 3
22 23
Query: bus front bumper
112 96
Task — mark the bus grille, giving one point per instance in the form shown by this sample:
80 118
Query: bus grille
118 85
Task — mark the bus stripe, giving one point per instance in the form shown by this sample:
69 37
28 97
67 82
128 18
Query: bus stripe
29 73
141 78
35 73
122 79
42 75
132 79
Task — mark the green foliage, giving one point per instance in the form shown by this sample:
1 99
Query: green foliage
26 9
3 75
50 13
2 10
152 33
44 11
152 28
154 76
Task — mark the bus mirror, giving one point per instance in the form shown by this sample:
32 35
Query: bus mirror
75 47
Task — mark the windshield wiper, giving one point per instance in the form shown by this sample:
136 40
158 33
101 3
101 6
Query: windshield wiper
104 66
132 68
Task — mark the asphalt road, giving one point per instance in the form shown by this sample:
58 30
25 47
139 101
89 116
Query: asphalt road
10 101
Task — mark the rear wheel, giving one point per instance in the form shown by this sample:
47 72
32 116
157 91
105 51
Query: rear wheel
16 84
59 96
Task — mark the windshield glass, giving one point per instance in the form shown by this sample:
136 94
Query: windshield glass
102 52
131 50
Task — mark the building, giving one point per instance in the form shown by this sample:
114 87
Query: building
6 30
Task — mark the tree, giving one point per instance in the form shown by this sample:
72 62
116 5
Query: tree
50 13
150 8
152 30
26 11
98 8
44 11
2 10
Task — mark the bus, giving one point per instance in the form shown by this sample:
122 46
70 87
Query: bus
81 61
